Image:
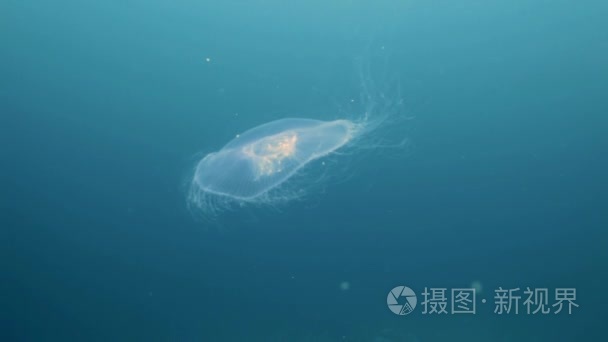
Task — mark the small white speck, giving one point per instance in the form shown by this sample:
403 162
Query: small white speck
207 59
238 135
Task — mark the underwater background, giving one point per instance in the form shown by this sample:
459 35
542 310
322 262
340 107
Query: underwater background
106 107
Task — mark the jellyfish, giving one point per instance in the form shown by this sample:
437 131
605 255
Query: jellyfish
257 162
264 157
257 166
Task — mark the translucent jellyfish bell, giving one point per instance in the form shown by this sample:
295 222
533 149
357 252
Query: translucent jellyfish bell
264 164
262 158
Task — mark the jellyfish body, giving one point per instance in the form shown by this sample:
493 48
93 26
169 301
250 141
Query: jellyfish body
261 159
275 162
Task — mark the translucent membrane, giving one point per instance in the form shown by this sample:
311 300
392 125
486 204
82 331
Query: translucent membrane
266 156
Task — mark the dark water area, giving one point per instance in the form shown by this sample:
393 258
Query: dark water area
107 106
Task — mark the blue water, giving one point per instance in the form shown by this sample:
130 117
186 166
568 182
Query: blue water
106 106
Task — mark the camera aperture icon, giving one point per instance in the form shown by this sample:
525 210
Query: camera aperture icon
401 300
